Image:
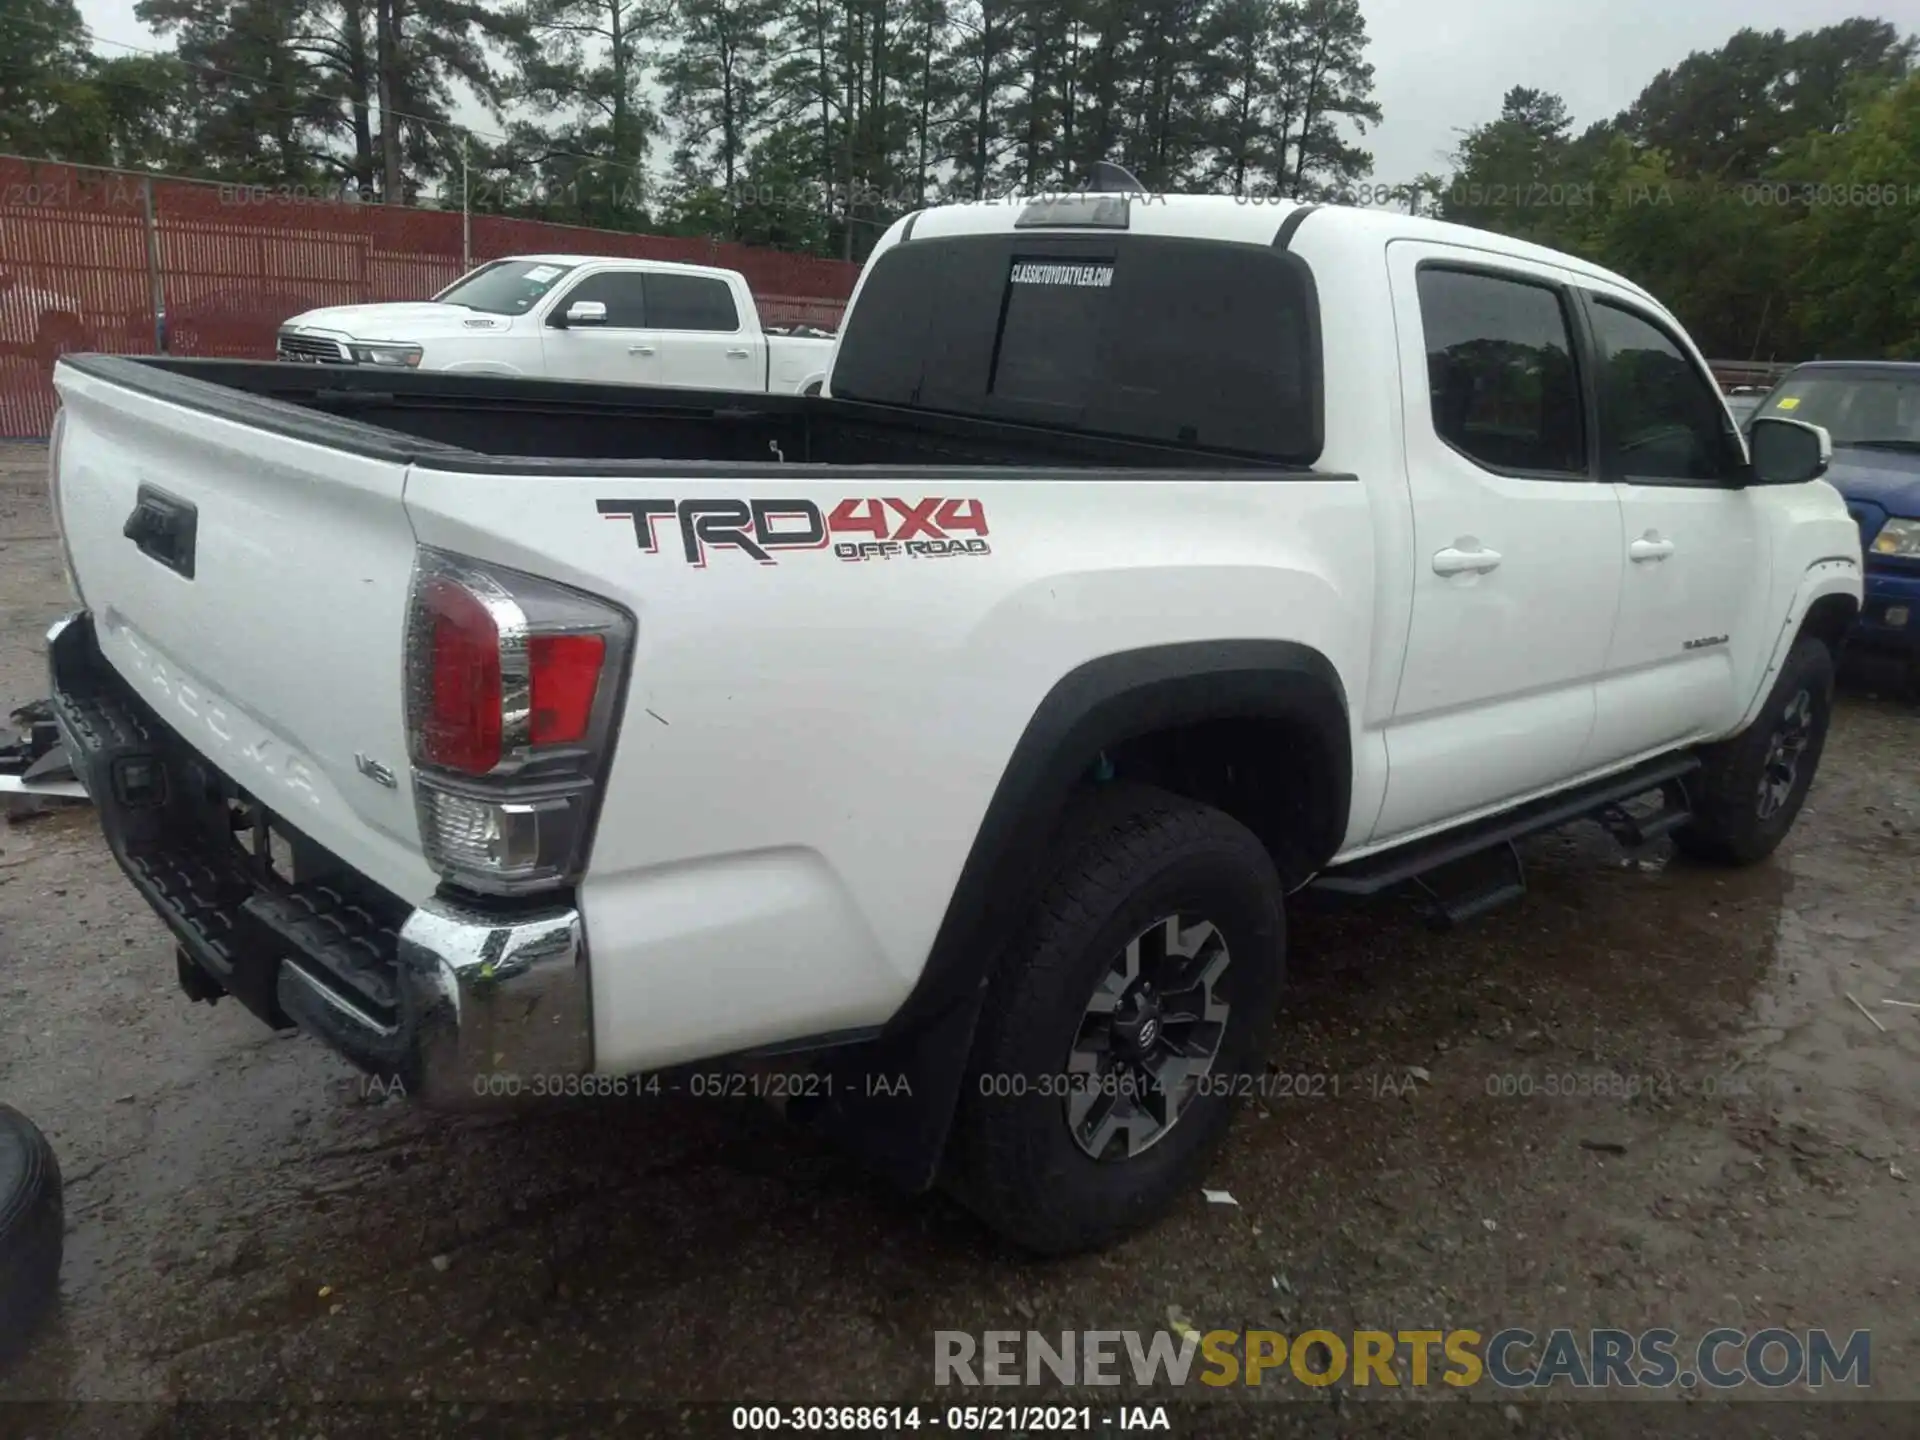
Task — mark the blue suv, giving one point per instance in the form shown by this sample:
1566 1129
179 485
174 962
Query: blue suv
1872 410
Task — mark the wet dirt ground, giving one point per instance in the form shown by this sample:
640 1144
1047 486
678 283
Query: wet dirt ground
253 1239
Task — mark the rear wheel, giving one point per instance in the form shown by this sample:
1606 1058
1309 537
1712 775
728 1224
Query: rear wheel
1753 785
1119 1021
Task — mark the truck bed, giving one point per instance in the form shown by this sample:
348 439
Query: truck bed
484 422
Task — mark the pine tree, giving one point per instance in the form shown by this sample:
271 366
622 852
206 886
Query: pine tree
716 91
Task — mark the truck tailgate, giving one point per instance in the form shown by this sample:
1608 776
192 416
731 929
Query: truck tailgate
252 588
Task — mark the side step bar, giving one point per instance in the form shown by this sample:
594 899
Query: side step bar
1603 799
1467 889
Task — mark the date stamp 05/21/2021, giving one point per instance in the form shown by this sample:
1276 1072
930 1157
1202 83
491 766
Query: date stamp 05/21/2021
1277 1083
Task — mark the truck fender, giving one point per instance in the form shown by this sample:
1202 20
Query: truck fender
893 1097
1829 587
812 384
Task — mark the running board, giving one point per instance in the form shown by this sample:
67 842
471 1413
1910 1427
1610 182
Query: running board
1464 890
1601 798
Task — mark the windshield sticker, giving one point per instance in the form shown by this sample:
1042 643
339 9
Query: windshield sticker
1791 402
1034 272
541 273
928 528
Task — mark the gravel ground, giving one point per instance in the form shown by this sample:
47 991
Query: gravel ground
254 1240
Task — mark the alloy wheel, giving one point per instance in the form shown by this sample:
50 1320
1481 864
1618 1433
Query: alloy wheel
1148 1038
1781 771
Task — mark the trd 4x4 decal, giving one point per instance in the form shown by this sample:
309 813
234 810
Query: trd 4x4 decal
917 529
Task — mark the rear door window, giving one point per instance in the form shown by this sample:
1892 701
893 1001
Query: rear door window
689 302
1500 372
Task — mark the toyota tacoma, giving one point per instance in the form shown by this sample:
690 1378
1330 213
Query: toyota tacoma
964 734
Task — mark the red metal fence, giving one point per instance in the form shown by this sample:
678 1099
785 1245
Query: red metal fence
86 255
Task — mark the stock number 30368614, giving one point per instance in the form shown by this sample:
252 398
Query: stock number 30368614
701 1085
959 1419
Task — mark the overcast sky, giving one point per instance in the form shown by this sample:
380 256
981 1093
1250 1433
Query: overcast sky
1442 65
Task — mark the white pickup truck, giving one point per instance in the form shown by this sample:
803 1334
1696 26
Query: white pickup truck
574 317
959 736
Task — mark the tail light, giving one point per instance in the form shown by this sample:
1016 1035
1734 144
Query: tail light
513 693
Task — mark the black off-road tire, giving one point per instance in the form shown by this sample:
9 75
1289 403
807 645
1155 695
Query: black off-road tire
1731 824
1128 855
32 1228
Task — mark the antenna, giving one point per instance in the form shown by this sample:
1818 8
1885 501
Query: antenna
1111 179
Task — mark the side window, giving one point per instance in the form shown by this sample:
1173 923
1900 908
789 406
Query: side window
689 302
620 291
1500 372
1660 421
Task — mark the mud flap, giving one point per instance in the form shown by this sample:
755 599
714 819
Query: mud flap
892 1099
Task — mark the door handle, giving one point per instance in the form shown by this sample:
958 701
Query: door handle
739 354
1453 561
1649 547
640 349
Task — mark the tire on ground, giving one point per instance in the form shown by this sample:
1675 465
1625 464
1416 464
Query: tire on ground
1732 824
32 1226
1127 857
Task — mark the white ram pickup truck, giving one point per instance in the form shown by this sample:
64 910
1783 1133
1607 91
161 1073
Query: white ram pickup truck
574 317
963 736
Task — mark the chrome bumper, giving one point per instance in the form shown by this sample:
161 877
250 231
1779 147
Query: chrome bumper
494 1000
459 1006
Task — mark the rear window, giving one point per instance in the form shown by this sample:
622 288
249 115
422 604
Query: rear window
1202 343
1049 350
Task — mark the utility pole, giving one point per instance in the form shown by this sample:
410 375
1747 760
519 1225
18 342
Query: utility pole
156 290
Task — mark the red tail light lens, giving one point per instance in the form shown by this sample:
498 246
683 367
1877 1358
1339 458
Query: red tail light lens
512 705
462 726
565 676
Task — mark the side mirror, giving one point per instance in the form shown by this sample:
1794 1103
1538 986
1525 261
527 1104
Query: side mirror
585 312
1787 452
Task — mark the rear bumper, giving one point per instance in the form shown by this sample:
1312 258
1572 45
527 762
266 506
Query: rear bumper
455 1004
1889 620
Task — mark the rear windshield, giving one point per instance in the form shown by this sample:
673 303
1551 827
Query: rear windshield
1203 343
506 287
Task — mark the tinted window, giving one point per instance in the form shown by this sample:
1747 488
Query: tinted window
506 287
620 291
689 302
1659 418
1049 349
1500 372
1189 342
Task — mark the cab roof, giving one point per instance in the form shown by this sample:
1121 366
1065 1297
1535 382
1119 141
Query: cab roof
650 263
1258 221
